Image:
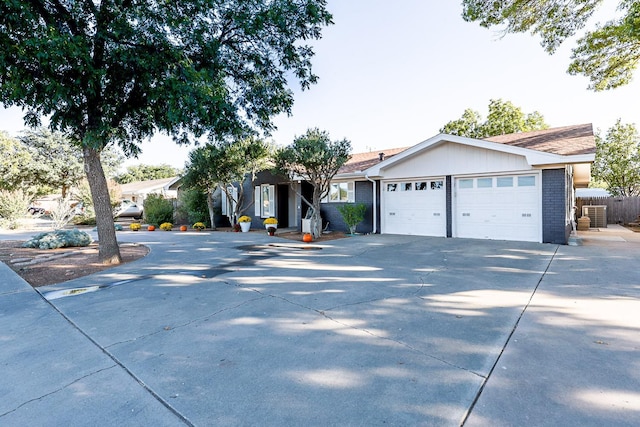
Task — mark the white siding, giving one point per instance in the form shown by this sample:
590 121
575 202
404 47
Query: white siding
456 159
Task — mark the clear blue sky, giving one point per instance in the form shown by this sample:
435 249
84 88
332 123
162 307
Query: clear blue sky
392 74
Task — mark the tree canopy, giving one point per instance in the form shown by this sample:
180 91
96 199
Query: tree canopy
617 162
146 173
14 163
503 118
608 54
116 72
316 159
40 161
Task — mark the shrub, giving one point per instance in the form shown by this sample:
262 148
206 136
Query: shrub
13 206
166 226
59 239
157 209
352 215
61 213
193 206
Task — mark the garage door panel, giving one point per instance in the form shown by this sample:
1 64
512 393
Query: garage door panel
503 211
415 207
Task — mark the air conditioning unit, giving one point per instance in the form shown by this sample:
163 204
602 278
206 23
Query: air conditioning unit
597 214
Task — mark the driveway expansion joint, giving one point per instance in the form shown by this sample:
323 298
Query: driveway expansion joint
35 399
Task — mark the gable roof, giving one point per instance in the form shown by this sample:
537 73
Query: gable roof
145 186
565 145
566 140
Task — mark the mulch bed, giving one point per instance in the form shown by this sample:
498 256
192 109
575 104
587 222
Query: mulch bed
40 267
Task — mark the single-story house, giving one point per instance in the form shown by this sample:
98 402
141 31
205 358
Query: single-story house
137 191
510 187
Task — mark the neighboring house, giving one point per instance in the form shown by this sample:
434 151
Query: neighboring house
508 187
139 190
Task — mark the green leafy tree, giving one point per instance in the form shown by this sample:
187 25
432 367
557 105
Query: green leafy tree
316 159
56 163
228 166
41 161
116 72
14 163
503 118
607 55
617 160
146 172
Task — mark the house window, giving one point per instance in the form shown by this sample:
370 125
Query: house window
485 182
406 186
504 181
392 187
526 181
341 192
421 186
465 183
437 185
265 200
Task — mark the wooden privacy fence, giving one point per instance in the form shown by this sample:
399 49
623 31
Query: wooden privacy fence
620 210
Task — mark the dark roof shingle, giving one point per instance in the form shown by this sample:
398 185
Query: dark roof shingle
361 161
566 140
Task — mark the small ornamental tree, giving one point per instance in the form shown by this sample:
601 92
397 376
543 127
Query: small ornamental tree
228 166
352 215
316 159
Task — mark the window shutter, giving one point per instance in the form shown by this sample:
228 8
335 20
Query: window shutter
351 193
272 203
257 202
224 203
234 193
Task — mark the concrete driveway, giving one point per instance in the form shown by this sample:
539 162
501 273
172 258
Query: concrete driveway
244 329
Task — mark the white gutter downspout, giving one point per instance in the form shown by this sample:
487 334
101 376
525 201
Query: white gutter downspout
375 209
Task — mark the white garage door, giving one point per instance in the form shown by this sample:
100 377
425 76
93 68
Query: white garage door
414 207
498 207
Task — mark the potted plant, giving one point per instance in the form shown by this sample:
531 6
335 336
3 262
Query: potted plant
166 226
270 222
198 226
271 231
135 226
245 223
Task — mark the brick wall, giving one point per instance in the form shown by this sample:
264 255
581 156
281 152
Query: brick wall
554 225
363 194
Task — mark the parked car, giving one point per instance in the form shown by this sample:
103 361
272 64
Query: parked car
36 210
128 209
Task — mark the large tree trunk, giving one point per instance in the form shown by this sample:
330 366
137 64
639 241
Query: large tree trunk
109 251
